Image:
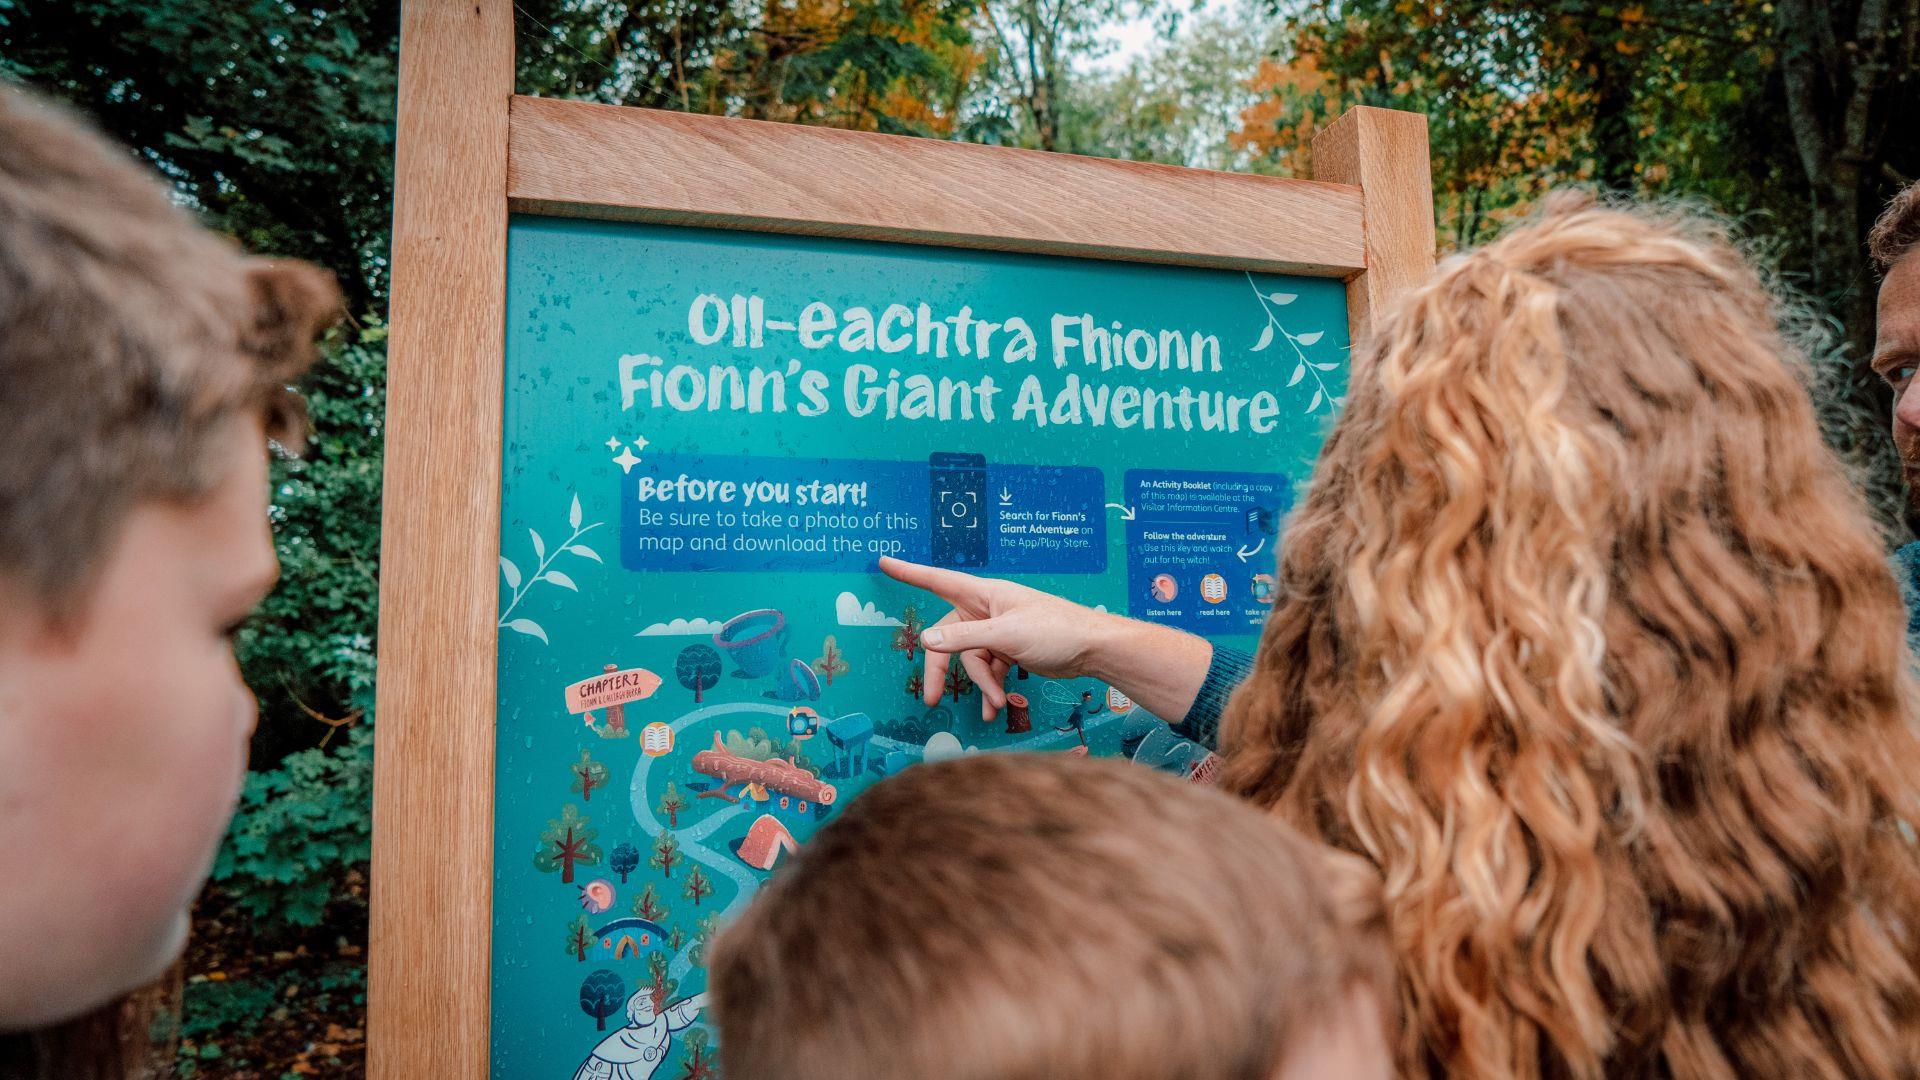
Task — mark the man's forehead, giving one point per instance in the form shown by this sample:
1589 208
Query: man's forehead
1899 304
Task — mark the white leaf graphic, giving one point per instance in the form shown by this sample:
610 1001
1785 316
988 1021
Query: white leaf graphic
529 628
560 579
573 515
585 552
1315 403
510 572
1310 337
1283 298
1299 372
1266 338
1327 367
539 545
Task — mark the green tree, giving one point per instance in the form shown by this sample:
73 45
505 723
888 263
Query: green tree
579 938
566 843
699 1064
958 682
666 852
274 118
671 803
900 66
698 886
832 661
703 937
648 906
1035 47
906 636
1783 116
587 775
657 967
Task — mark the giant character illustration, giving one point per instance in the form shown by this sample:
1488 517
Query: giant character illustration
636 1051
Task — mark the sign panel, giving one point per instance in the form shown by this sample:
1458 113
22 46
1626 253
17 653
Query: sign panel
710 438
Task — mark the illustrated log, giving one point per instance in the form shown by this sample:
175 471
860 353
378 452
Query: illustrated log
1017 720
775 775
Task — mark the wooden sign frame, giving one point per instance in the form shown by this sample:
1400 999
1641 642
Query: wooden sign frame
469 152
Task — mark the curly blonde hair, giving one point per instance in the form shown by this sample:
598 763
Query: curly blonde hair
1584 640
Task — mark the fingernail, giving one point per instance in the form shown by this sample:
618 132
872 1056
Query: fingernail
933 636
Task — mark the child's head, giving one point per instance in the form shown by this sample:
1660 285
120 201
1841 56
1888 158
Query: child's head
1015 916
144 363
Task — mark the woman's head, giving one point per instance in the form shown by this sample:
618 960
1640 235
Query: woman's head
143 365
1584 639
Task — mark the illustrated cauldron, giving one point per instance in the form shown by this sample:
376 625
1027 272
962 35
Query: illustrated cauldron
755 640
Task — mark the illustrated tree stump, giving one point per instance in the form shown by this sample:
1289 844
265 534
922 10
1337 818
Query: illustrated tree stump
1017 720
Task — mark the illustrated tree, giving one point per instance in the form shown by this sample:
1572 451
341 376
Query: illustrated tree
579 938
676 938
671 803
906 637
587 775
566 843
698 886
698 668
648 906
666 852
831 661
601 995
916 684
699 1062
657 967
624 860
958 682
703 937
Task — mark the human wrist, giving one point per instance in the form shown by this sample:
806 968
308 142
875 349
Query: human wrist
1107 645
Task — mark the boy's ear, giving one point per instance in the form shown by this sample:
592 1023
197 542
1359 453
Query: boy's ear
293 303
1355 886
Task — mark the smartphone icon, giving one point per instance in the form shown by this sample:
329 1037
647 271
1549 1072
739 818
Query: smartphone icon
959 485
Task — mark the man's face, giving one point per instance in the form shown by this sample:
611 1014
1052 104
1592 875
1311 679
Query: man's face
1896 356
123 744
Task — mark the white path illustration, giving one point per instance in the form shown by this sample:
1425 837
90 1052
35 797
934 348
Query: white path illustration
692 838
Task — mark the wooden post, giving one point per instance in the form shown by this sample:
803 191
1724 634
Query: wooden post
1385 153
428 982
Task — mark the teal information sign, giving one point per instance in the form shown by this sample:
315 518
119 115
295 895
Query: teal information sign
710 438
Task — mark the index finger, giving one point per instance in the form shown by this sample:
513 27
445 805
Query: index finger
955 587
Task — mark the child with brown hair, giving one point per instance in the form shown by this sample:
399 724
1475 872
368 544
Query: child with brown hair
144 365
1047 917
